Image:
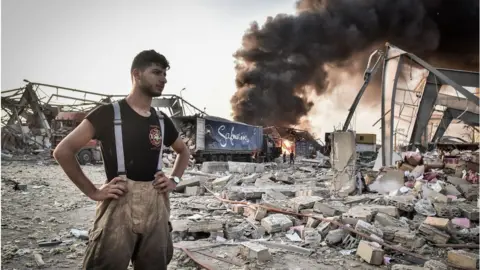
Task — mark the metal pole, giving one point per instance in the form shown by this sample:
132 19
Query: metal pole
384 74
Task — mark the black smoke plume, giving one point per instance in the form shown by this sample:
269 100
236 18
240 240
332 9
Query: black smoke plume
281 62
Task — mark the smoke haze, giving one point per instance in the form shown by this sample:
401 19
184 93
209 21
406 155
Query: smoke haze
284 63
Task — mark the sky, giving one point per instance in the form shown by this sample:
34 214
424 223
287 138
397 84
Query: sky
90 45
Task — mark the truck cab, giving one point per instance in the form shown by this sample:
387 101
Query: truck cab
62 125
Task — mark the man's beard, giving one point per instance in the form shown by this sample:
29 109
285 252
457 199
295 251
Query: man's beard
148 89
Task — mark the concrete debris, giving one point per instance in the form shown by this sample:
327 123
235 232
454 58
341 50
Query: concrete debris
463 259
370 252
276 223
429 212
256 251
435 265
406 267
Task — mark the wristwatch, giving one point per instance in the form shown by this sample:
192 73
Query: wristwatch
175 179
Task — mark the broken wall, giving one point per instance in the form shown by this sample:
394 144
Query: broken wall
343 158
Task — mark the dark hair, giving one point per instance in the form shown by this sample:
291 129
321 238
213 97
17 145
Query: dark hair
146 58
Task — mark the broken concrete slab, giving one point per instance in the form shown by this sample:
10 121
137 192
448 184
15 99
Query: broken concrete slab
250 179
386 209
197 226
356 213
303 202
439 223
245 167
433 195
405 238
370 252
276 223
256 251
388 181
469 211
284 177
194 191
275 195
194 181
221 181
343 159
335 236
387 220
316 191
435 265
463 259
368 229
259 214
249 192
366 212
405 203
214 166
433 234
469 191
312 222
447 210
312 236
452 190
390 231
457 181
330 209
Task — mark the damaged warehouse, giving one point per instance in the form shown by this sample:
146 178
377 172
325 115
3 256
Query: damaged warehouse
239 206
411 203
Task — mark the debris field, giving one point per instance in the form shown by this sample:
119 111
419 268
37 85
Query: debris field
420 214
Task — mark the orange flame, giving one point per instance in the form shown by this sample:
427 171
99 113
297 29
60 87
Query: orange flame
287 147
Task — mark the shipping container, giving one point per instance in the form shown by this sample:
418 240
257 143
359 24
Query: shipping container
231 136
213 138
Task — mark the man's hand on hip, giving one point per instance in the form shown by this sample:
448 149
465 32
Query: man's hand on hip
163 184
112 190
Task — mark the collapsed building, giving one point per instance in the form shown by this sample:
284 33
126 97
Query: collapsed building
38 116
424 212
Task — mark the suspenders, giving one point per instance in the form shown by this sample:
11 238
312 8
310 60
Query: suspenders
117 122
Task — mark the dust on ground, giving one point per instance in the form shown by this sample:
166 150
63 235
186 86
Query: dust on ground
51 206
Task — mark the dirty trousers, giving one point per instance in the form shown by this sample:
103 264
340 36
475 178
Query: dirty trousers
134 227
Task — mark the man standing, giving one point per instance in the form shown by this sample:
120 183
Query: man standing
133 207
292 158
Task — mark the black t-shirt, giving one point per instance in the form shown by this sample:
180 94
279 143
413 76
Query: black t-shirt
141 144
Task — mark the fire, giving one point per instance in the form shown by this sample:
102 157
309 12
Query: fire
287 146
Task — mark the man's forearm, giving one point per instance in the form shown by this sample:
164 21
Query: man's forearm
70 165
181 163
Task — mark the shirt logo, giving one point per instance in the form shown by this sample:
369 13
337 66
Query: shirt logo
155 136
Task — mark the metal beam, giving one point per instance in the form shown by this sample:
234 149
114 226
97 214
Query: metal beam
462 77
424 113
457 103
450 114
443 79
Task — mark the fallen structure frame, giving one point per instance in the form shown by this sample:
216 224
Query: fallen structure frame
465 109
425 100
27 112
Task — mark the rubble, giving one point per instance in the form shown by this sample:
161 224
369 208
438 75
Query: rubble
370 252
463 259
262 215
256 251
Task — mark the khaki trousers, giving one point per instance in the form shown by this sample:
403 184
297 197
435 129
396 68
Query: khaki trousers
135 227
